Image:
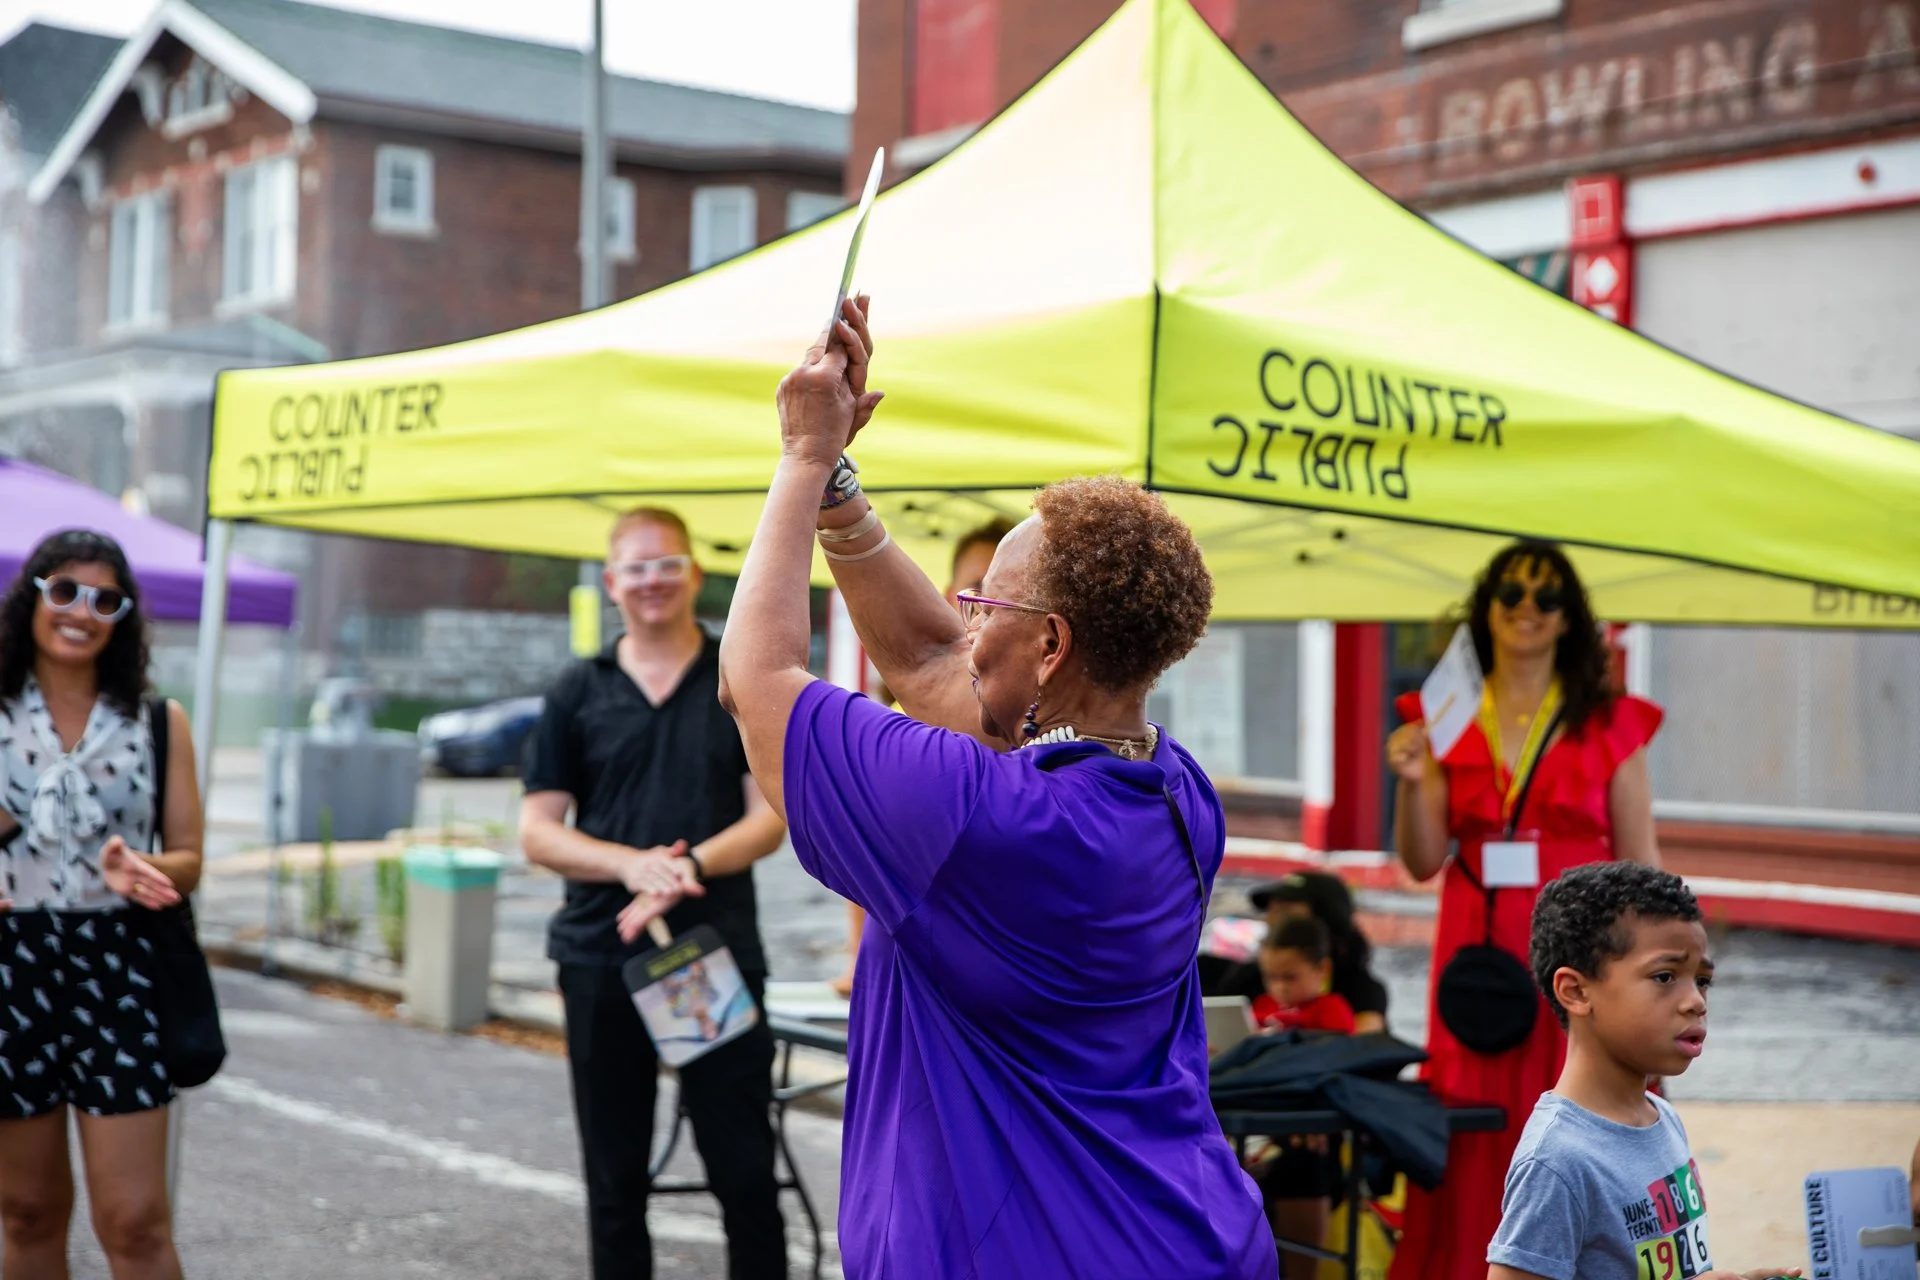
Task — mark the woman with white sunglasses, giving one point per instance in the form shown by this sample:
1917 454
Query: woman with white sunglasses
78 786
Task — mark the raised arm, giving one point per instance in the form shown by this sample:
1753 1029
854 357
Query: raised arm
763 655
908 629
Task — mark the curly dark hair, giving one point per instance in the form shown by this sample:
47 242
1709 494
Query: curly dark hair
122 665
1126 574
1577 917
1586 681
1331 903
1304 934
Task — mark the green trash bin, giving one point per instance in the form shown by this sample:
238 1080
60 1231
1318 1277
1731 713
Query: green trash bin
449 962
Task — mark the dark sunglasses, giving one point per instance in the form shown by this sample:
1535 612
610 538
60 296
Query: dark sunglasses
1547 598
64 595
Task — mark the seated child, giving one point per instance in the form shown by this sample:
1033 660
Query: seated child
1296 967
1603 1185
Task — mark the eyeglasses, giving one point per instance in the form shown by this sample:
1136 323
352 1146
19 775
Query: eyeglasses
665 568
1547 597
973 607
64 595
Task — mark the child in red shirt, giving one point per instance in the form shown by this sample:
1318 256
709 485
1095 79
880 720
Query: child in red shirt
1296 964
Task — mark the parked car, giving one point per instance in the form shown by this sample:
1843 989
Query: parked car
479 740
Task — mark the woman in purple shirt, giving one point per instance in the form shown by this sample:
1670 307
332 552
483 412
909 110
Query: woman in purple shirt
1028 1087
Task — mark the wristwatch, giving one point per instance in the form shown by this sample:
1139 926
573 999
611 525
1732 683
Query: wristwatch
699 872
842 485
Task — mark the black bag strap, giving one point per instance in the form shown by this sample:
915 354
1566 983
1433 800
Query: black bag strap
1180 825
158 723
1513 818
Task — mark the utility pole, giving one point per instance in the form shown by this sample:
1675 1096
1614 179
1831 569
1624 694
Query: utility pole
595 288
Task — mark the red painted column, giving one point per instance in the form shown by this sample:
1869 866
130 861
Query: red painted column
1359 735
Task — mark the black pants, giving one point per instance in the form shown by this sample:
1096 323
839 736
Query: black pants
728 1097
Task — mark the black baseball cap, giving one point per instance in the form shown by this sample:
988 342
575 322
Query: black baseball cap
1325 895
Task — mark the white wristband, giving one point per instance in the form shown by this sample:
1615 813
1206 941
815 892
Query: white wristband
873 550
859 528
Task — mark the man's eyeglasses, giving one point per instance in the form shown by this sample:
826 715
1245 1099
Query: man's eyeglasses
974 607
1547 597
664 569
64 595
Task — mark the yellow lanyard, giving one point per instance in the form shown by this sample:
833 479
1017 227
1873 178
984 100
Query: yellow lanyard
1536 740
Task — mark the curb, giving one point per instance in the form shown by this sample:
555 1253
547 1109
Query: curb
1820 911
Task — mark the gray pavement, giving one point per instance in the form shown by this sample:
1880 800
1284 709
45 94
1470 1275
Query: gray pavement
339 1146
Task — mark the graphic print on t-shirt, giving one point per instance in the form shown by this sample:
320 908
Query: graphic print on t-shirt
1669 1227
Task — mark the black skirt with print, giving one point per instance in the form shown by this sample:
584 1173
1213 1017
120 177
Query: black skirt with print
77 1015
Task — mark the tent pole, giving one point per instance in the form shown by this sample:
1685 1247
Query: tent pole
1316 731
275 791
213 634
206 718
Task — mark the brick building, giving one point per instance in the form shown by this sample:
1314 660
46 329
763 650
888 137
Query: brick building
250 182
1739 179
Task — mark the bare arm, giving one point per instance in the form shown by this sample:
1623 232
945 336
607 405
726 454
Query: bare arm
1630 807
1420 804
737 847
908 629
763 654
549 842
1498 1272
181 842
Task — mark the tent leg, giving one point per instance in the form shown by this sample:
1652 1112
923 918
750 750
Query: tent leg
1316 731
275 792
206 718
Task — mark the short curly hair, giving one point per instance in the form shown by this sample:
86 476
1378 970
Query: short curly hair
1126 574
1577 918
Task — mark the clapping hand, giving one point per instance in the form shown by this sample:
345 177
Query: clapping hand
659 879
134 878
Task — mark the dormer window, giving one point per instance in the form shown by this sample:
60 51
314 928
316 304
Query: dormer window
200 98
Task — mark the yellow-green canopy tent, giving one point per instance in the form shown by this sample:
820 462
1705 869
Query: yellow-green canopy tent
1143 266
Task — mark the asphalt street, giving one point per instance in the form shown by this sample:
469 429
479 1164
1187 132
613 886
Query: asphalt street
340 1146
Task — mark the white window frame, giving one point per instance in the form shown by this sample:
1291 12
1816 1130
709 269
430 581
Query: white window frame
261 234
622 219
12 289
139 267
804 208
711 243
418 220
1444 21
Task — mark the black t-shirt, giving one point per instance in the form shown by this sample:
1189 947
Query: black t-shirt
642 776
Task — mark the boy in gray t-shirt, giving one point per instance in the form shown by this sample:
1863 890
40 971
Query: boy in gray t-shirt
1603 1185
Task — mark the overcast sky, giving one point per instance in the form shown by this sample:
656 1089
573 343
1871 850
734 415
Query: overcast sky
799 50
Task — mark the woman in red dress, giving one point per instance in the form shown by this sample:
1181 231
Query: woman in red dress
1549 700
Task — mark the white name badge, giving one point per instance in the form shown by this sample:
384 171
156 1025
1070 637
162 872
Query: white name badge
1510 864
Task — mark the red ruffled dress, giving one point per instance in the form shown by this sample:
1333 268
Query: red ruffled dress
1447 1230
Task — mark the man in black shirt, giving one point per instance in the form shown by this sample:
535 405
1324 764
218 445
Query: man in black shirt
634 742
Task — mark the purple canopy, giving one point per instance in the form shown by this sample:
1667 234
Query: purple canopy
35 502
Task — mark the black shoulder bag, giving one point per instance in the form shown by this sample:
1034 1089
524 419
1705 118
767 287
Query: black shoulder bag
1486 996
191 1043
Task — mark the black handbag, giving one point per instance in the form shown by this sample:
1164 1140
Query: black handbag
1486 995
192 1044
